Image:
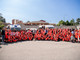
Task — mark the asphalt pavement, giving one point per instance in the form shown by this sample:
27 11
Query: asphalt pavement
40 50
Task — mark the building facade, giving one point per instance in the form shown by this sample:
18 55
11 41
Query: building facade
16 21
41 22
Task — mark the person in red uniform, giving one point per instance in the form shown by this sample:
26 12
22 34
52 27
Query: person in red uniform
39 36
30 36
35 36
76 34
17 35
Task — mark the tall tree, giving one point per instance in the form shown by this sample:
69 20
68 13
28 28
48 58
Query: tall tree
1 25
61 22
2 19
72 22
78 21
67 22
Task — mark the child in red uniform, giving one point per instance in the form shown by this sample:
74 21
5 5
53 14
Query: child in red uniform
76 34
35 36
9 38
14 38
6 35
30 36
39 36
56 37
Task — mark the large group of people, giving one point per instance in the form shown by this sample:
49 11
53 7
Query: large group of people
41 34
13 36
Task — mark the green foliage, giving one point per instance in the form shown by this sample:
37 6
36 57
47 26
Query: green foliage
1 25
57 24
67 23
78 21
2 19
61 23
72 22
0 22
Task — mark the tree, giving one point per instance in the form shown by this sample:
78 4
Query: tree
1 25
57 24
78 21
72 22
61 22
67 22
2 19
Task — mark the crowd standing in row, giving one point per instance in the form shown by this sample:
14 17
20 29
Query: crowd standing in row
41 34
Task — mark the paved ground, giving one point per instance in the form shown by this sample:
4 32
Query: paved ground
40 50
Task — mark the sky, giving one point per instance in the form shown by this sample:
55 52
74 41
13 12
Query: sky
51 11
